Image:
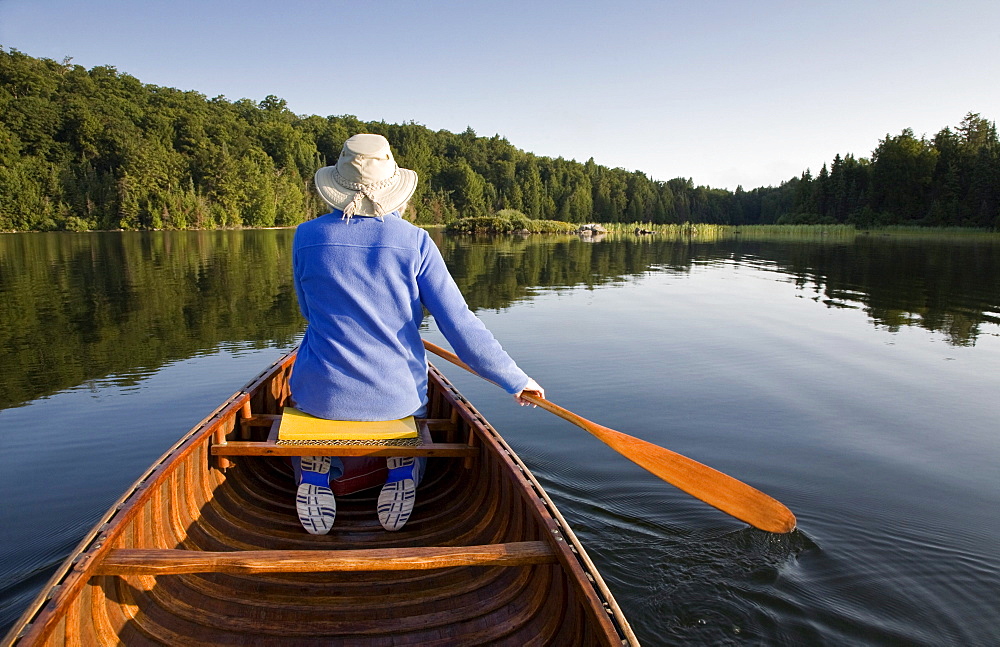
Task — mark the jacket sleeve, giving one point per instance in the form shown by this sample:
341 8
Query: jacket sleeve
471 340
297 280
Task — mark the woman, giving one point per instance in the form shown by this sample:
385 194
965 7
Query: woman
363 277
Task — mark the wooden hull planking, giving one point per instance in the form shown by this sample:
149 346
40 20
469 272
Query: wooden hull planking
206 549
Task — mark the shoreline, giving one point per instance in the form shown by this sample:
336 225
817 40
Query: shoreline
687 230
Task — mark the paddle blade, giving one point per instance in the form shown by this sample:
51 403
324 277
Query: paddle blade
719 490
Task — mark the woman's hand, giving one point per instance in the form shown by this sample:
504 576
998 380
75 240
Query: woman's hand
531 388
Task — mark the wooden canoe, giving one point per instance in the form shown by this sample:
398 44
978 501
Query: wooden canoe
206 549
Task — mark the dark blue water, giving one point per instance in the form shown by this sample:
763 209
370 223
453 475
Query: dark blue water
854 381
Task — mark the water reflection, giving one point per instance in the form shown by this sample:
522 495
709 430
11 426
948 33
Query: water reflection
948 287
76 307
952 287
883 453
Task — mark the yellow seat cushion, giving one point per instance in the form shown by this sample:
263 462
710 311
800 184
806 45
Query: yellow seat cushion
298 426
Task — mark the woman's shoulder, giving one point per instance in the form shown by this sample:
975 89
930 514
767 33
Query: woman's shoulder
407 230
306 231
390 231
313 223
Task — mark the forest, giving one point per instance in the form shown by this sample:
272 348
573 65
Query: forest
100 150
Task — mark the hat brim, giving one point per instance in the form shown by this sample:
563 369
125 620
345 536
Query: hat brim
391 198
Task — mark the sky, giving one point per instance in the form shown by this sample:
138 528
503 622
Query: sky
724 92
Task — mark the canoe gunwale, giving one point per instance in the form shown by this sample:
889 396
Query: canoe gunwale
48 611
74 572
568 538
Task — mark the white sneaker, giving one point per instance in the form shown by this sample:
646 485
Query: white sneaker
395 501
314 501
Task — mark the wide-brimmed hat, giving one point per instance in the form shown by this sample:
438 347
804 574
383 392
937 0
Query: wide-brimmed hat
366 181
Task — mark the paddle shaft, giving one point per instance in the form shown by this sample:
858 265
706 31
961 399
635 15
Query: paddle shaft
700 481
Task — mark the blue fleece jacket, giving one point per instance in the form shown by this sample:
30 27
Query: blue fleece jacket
362 284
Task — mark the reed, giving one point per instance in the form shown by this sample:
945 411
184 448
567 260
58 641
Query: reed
938 233
705 232
508 223
696 231
841 233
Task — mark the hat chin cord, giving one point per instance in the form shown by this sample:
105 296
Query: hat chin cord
363 191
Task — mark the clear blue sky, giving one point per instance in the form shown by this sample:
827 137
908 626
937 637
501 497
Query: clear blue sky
725 92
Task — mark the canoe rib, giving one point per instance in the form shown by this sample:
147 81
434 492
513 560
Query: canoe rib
138 561
207 549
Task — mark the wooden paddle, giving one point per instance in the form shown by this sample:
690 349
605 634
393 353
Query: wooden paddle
700 481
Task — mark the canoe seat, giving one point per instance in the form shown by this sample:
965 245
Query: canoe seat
141 561
271 447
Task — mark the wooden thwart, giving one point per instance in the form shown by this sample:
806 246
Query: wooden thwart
126 561
270 447
245 448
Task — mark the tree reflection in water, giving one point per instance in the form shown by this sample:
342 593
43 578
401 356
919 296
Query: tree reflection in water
76 307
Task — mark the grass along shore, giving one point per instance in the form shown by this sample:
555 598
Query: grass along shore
704 232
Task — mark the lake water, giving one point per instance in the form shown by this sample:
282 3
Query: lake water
854 379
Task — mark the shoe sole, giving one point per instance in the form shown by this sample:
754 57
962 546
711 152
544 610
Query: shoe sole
395 501
315 504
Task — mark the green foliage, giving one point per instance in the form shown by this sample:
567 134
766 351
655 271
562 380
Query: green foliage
98 149
550 226
952 180
507 221
805 219
517 219
481 225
